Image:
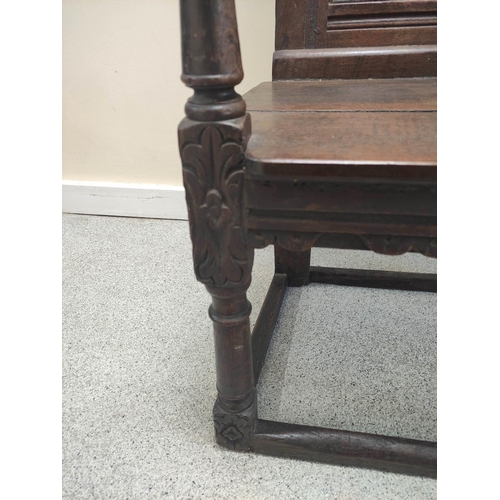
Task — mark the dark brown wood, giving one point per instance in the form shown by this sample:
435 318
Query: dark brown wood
342 197
378 24
316 14
416 282
355 449
301 24
404 61
360 224
379 37
412 94
302 171
210 46
294 264
212 141
213 177
359 8
381 21
289 25
300 241
338 164
264 326
291 241
211 59
349 140
310 34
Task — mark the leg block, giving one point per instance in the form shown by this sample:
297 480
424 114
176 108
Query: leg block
294 264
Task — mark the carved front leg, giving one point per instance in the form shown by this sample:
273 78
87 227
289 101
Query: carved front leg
235 410
212 157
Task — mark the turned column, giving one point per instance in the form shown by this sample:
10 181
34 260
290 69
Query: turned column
212 141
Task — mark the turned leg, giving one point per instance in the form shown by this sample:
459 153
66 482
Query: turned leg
235 410
212 142
213 178
295 265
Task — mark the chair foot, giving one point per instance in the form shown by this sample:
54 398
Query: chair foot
235 430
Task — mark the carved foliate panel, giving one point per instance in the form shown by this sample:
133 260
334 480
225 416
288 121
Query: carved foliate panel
212 161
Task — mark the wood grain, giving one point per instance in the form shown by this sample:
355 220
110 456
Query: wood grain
335 164
294 264
412 94
417 282
405 61
381 21
311 139
295 223
378 37
354 197
355 449
303 240
370 7
403 25
301 24
212 141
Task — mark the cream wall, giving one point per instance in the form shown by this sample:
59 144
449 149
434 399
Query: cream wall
122 94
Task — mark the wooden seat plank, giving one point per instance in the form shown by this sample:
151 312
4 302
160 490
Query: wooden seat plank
413 94
396 144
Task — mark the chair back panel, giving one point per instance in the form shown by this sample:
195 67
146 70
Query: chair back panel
355 38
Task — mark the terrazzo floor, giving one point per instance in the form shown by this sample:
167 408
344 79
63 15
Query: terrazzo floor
139 378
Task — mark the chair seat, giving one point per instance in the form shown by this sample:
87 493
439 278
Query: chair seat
343 128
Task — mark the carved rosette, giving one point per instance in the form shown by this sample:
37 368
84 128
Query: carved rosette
212 161
234 430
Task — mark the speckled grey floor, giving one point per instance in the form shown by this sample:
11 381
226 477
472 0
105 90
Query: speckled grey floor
138 368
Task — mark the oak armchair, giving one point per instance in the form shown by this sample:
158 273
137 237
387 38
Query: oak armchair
338 151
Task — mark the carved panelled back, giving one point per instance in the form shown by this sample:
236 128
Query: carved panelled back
339 34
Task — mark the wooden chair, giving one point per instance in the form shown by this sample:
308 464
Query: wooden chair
338 151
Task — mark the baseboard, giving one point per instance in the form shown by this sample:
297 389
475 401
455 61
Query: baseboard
123 199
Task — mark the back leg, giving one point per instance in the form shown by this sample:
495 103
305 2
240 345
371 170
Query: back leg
295 265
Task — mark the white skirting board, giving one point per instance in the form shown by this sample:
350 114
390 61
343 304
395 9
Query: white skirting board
156 201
